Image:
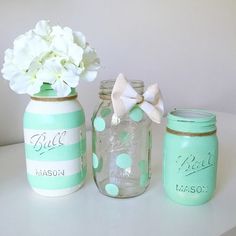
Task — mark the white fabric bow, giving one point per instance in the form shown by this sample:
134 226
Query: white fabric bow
124 98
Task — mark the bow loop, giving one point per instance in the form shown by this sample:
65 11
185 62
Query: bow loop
124 98
152 94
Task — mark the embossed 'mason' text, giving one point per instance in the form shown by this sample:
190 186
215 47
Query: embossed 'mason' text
49 172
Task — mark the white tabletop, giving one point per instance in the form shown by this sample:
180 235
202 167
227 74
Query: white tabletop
87 212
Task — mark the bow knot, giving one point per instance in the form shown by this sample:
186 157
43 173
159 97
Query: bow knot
124 98
140 100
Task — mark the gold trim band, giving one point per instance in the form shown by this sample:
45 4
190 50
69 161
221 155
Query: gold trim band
54 99
105 97
190 134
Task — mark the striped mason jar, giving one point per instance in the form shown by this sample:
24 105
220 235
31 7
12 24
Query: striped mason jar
55 143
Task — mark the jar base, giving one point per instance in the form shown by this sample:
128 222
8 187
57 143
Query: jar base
130 189
57 192
187 202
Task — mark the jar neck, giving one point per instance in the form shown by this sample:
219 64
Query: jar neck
47 93
106 87
191 121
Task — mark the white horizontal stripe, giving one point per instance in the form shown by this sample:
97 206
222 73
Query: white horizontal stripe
57 168
51 137
57 192
50 108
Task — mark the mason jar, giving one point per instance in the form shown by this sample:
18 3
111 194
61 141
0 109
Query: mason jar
121 152
55 143
190 156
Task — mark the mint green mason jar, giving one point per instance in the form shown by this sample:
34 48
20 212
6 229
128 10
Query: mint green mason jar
55 143
190 156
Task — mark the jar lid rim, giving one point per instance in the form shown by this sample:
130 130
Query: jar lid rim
191 121
191 115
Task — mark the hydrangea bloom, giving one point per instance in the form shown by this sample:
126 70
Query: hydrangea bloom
49 54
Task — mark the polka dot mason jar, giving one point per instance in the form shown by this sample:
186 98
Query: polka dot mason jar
121 152
55 143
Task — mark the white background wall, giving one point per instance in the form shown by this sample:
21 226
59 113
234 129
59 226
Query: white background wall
187 46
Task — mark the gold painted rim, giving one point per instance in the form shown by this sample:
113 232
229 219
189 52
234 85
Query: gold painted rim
190 134
54 99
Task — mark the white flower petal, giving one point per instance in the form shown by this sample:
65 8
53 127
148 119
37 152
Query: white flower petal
54 65
75 53
70 79
27 48
34 66
23 58
43 28
59 44
68 34
91 64
50 71
61 88
45 76
8 55
9 70
75 69
19 83
79 39
89 75
57 31
34 87
38 46
90 59
22 40
65 33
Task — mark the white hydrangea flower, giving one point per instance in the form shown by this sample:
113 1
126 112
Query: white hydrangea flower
46 54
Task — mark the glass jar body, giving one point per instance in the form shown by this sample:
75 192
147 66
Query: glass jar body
190 165
55 145
121 152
